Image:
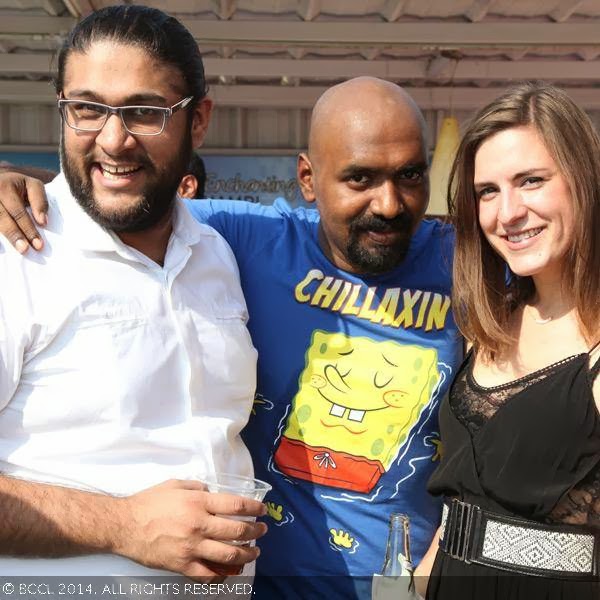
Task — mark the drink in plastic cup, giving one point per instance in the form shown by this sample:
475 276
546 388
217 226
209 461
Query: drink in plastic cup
238 485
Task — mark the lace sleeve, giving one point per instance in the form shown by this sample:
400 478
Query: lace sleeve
581 504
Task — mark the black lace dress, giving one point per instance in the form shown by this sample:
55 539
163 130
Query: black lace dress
529 449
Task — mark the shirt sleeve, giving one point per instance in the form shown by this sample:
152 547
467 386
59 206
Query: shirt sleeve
12 335
246 226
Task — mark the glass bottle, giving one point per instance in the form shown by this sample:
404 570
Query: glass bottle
395 582
397 552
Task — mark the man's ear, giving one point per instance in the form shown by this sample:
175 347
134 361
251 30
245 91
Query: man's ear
305 175
200 120
188 186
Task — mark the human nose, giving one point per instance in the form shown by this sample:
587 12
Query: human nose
113 137
511 207
388 202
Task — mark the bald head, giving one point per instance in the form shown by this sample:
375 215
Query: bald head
366 169
362 103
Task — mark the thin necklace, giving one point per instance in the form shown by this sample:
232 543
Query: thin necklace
542 321
537 319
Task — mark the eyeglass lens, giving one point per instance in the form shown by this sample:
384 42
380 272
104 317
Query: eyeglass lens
137 119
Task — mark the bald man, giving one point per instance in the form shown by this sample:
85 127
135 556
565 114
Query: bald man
350 312
367 150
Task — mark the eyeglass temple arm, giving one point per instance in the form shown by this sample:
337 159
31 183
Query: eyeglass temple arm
181 104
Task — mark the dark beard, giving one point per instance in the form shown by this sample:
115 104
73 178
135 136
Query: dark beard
156 201
386 258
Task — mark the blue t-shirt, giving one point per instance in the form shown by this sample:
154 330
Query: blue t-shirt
351 371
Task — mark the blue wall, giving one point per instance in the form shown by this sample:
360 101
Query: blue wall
45 160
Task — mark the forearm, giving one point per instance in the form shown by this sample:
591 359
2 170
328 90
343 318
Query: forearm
423 571
173 526
51 521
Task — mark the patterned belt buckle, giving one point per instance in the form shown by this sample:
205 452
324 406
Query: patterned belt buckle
462 518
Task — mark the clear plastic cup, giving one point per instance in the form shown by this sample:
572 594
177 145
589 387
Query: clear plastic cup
238 485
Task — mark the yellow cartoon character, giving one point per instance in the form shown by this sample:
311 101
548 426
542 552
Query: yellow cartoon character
356 404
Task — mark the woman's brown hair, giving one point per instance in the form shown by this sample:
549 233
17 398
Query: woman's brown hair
484 294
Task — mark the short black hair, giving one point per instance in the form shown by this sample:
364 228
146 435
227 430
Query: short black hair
197 169
161 35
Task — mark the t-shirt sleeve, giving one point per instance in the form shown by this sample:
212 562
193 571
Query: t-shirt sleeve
246 226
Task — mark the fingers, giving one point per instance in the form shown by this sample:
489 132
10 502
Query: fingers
175 527
28 230
222 555
36 195
15 223
222 528
224 570
228 504
11 230
206 573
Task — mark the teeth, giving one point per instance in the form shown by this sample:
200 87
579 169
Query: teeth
337 410
525 235
109 175
112 171
356 415
117 169
353 415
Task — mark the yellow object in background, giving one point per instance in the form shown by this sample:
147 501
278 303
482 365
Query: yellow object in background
443 155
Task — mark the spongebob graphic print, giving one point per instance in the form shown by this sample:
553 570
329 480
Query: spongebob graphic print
357 401
351 371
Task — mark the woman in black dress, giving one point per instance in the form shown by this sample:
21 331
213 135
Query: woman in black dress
520 426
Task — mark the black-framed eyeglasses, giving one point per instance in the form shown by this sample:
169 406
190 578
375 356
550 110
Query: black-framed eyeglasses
83 115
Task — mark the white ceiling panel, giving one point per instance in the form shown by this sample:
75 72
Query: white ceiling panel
280 54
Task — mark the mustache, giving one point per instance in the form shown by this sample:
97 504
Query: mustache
138 160
380 225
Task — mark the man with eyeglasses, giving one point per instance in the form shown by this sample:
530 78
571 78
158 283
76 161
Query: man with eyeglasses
119 341
137 120
350 311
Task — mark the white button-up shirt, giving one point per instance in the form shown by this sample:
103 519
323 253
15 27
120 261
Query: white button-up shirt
116 373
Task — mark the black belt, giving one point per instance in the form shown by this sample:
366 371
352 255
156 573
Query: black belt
472 534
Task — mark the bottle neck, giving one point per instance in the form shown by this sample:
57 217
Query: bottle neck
398 559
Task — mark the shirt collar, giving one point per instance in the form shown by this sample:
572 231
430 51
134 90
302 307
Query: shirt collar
186 227
88 235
